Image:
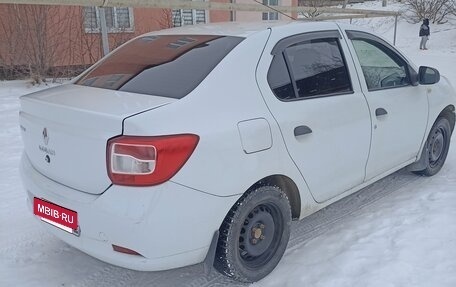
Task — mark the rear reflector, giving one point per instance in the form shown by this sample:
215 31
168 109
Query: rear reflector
145 161
124 250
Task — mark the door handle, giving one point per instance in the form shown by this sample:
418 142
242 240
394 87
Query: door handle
302 130
380 112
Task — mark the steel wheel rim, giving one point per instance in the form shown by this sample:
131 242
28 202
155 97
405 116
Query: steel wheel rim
254 250
437 147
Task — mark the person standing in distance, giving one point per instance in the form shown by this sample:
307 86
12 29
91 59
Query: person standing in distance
425 31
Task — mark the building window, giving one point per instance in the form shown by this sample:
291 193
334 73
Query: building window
118 19
271 15
182 17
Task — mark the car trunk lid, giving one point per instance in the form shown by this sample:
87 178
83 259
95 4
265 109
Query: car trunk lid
65 131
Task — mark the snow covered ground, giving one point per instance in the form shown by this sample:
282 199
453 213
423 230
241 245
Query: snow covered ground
401 231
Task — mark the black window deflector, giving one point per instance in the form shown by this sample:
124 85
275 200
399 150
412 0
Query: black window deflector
364 35
284 43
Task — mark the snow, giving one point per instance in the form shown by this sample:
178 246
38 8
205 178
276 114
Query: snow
400 231
406 238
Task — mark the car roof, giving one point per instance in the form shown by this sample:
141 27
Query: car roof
239 29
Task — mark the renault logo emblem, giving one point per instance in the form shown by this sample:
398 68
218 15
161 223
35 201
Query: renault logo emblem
45 136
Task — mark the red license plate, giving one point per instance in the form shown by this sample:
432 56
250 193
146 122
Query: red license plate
56 215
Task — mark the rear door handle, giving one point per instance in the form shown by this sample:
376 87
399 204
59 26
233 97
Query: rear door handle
302 130
380 112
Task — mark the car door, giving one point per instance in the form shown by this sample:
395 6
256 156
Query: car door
399 110
313 93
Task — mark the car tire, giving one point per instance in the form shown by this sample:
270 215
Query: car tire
436 147
254 234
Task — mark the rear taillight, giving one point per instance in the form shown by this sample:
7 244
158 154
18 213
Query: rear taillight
141 161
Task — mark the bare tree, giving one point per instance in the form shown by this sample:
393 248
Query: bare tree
312 4
345 4
435 10
36 39
166 19
119 38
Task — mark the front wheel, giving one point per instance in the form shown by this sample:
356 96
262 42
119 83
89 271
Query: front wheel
436 147
254 235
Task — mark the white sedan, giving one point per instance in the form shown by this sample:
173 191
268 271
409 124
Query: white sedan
202 144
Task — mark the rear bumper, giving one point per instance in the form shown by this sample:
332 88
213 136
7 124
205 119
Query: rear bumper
169 225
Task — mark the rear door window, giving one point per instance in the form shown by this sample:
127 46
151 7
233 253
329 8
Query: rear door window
318 68
279 79
309 69
165 65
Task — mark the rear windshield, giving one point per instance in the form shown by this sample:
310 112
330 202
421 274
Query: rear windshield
169 65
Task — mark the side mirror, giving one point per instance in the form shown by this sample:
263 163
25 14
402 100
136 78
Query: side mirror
428 75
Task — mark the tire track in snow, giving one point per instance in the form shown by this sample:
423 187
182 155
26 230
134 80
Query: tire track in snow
113 276
323 220
108 276
20 245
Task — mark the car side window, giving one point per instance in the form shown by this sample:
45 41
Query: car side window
382 67
309 69
279 79
318 68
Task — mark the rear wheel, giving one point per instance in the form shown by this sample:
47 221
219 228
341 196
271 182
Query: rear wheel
254 234
436 147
